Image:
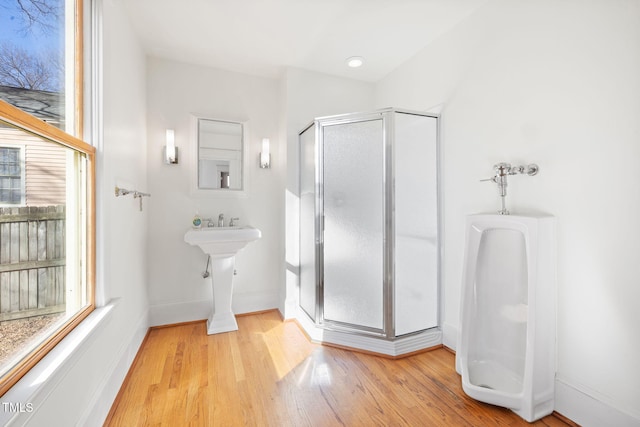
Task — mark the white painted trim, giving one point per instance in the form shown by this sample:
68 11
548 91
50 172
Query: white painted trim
102 400
94 130
178 312
43 379
188 311
450 336
588 411
255 301
288 308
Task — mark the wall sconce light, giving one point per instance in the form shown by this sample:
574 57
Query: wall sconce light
170 150
265 156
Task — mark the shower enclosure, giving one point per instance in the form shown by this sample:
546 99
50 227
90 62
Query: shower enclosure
369 233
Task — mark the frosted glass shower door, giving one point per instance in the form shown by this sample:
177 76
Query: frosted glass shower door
353 200
416 223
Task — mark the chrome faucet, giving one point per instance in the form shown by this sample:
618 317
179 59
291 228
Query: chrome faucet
221 220
502 170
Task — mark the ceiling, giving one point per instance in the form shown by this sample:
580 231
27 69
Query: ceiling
264 37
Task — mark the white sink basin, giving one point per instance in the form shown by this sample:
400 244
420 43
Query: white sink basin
222 242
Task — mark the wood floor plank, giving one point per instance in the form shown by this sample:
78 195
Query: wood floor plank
268 374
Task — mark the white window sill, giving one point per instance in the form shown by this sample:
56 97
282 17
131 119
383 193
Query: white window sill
32 389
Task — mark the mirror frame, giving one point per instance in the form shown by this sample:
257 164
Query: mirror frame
195 149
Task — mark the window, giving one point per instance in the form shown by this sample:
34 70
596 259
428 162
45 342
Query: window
47 202
11 176
40 59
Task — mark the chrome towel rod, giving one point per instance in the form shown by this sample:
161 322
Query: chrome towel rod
136 194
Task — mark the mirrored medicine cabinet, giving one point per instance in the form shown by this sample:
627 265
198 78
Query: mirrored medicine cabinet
220 148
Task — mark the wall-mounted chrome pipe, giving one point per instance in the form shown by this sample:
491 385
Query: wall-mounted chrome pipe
501 172
206 273
136 194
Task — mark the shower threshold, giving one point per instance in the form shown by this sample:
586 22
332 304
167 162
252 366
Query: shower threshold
400 346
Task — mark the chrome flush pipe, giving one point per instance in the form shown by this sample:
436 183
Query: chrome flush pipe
501 172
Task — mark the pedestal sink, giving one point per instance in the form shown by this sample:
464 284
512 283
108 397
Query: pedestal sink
222 244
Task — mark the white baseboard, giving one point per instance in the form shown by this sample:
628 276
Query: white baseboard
450 336
179 312
168 314
289 308
255 301
586 410
103 399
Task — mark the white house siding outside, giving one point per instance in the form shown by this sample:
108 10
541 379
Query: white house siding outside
45 167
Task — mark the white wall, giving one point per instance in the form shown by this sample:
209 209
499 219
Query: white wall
306 95
84 373
123 227
555 83
177 290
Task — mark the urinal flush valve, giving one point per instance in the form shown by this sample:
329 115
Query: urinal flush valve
502 171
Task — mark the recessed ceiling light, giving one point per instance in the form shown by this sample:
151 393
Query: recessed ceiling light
355 61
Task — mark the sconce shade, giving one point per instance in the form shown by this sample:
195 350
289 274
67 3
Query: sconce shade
170 150
265 156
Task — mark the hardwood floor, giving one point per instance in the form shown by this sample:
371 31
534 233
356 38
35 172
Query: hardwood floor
268 374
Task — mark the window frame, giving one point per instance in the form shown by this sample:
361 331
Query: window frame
21 150
30 124
35 126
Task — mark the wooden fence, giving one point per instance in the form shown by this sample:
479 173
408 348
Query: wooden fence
32 261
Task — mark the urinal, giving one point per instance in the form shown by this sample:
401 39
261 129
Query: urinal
506 345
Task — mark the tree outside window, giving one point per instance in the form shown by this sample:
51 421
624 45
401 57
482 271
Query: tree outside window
37 57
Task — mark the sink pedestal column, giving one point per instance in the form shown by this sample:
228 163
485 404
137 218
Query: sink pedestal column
222 319
222 244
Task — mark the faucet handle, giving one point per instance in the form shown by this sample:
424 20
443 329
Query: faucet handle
232 221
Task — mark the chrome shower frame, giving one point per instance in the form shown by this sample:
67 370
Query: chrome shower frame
388 331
